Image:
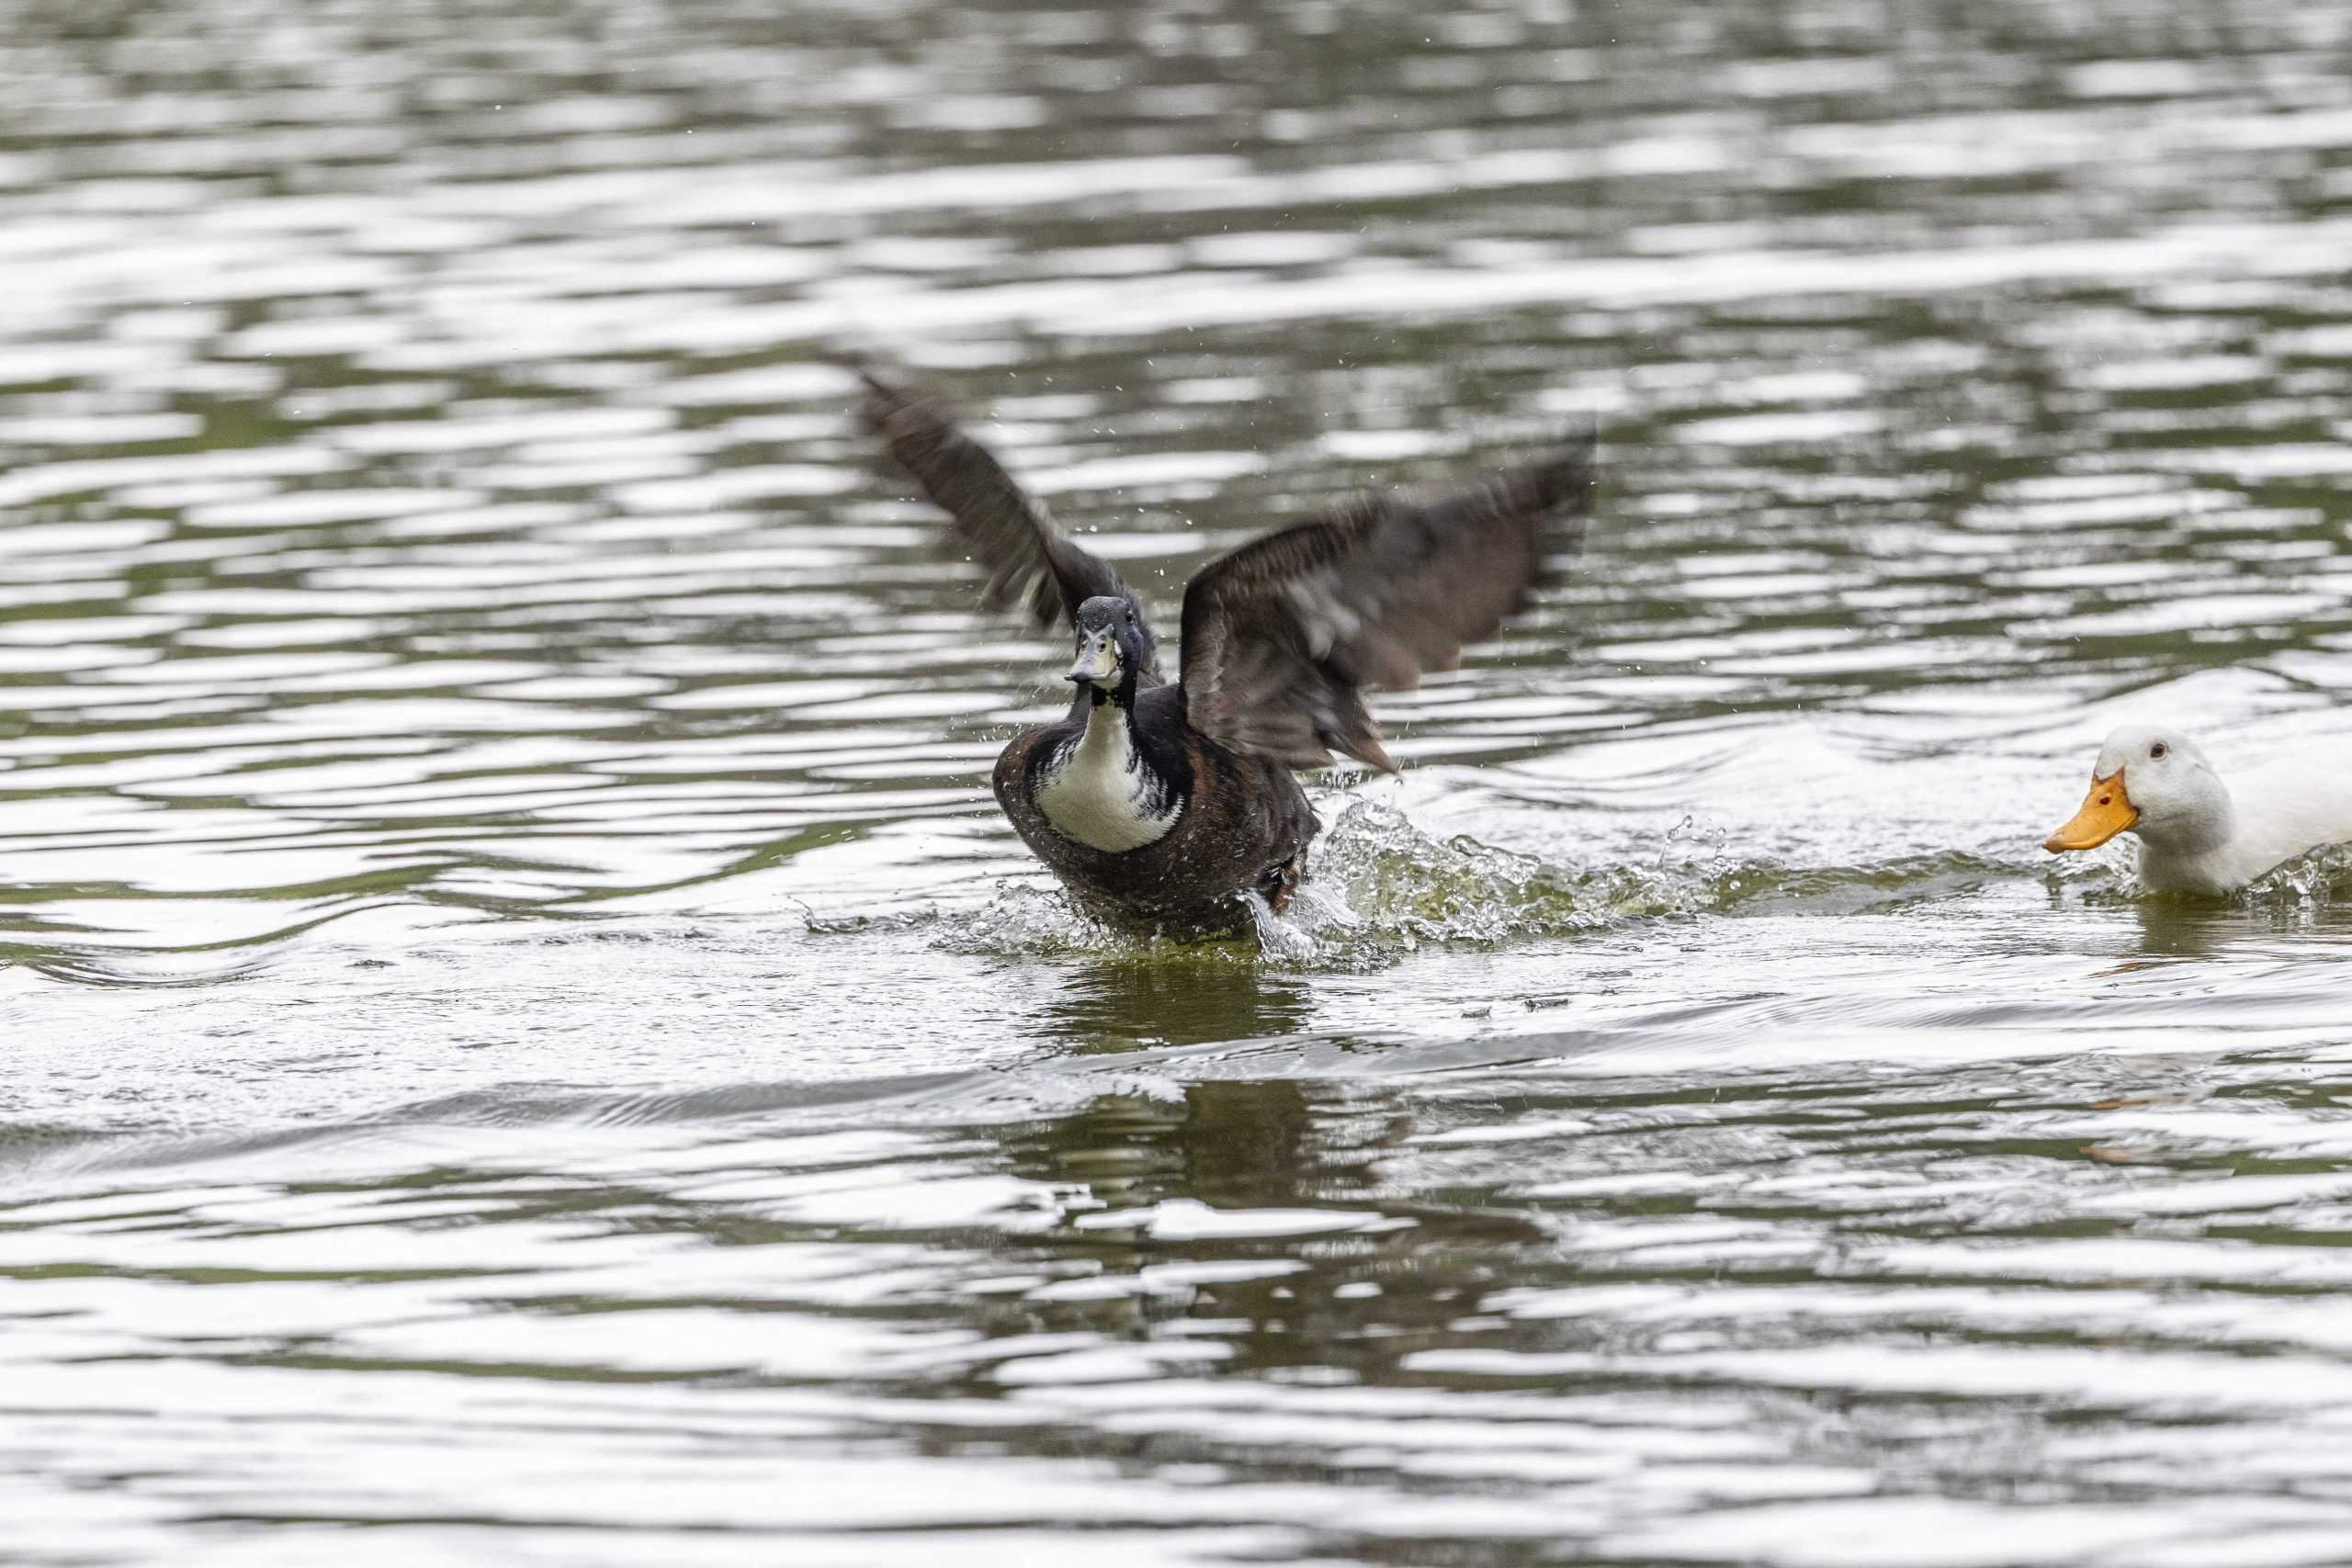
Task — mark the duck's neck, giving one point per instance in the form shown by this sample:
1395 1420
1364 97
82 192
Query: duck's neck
2198 847
1103 790
2200 824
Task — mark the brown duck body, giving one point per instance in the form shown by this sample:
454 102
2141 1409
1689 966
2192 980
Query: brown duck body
1241 823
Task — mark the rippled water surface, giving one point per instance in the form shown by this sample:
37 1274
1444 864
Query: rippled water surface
527 1041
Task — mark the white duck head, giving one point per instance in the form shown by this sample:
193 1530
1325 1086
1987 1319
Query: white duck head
2155 782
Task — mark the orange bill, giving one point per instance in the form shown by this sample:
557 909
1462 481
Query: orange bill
2105 812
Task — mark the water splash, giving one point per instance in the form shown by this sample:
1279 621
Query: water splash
1407 889
1379 888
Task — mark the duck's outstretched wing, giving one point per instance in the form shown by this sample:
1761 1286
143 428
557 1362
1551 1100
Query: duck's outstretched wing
1283 634
1029 566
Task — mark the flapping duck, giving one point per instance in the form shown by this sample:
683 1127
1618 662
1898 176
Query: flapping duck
1158 801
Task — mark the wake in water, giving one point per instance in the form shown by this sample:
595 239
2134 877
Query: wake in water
1379 888
2319 880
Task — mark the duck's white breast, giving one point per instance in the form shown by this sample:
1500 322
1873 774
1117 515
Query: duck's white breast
1098 792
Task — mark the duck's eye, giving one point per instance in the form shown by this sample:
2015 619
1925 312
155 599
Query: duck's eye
2157 752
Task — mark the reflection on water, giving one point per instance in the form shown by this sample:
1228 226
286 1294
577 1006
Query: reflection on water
1185 1005
1378 1315
526 1034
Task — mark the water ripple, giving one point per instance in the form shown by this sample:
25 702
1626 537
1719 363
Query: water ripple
525 1026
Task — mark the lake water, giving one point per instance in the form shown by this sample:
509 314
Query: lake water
527 1041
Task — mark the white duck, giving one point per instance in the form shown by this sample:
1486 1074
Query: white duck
2196 836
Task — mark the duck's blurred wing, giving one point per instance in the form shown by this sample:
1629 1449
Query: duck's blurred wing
1282 636
1030 565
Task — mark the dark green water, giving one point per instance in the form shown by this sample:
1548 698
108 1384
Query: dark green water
526 1041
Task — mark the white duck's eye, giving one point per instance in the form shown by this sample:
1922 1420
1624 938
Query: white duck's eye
2157 752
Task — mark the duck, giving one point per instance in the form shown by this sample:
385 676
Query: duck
1167 795
2199 834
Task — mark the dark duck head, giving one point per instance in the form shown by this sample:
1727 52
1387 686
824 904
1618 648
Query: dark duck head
1113 776
1113 649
